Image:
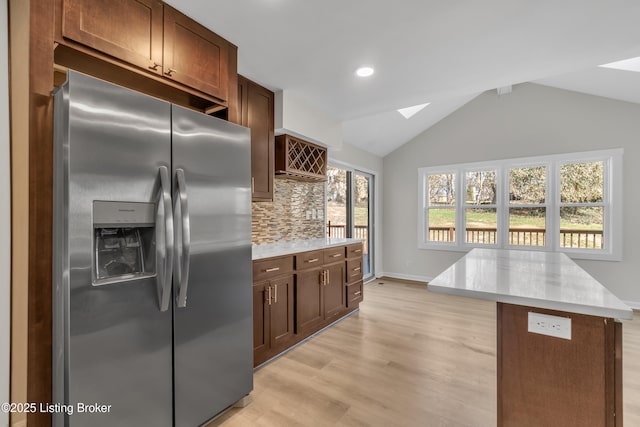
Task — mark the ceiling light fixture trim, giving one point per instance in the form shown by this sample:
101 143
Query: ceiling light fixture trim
365 71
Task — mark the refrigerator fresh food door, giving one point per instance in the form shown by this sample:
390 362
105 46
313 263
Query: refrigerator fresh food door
112 337
212 274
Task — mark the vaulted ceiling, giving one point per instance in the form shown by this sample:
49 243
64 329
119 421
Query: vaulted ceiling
444 52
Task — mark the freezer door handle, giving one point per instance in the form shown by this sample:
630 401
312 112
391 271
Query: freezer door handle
183 238
164 233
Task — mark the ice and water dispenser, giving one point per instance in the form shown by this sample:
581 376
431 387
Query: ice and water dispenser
124 241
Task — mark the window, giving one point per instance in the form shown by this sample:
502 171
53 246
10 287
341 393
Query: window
569 203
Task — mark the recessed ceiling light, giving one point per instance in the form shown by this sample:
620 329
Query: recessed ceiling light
364 71
632 64
408 112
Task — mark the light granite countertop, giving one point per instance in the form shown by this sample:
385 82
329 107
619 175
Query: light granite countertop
269 250
537 279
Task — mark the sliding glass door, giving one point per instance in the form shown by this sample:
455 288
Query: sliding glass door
350 209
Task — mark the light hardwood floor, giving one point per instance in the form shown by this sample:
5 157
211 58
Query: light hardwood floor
408 358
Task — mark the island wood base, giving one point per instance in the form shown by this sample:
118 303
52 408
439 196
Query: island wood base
549 381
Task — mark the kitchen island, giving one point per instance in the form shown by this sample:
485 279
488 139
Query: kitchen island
559 346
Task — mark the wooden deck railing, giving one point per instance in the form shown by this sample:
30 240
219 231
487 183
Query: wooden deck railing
340 230
569 237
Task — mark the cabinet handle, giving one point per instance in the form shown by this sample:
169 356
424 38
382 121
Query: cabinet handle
357 293
269 270
356 269
323 278
253 185
312 260
336 255
328 277
169 72
357 250
267 295
154 67
275 294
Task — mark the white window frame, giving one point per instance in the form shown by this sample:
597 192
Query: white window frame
612 202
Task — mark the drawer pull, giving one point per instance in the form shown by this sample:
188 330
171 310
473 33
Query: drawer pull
357 293
356 269
312 260
357 250
336 255
269 270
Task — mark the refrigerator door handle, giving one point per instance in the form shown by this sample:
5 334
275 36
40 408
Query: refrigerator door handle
183 238
164 225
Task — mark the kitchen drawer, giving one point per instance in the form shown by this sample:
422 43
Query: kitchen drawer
309 259
354 270
354 294
272 267
354 251
334 254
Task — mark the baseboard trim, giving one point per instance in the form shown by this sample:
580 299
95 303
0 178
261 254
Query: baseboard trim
410 277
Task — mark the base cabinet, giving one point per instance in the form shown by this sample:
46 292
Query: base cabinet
309 299
334 295
323 286
273 311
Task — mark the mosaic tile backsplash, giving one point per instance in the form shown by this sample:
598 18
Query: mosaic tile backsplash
297 212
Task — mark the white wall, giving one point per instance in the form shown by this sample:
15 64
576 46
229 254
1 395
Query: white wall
294 116
353 157
532 120
5 214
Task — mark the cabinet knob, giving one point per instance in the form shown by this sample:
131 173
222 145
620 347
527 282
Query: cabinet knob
169 72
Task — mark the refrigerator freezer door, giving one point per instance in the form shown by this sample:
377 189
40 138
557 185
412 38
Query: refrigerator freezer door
213 324
112 343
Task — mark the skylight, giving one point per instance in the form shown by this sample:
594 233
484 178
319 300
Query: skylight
408 112
631 64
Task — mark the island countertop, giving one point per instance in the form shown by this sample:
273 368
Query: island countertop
548 280
269 250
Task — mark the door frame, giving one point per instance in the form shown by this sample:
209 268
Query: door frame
373 208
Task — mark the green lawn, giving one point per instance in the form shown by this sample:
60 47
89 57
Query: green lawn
336 214
446 218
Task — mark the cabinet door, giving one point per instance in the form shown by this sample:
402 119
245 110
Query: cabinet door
261 332
130 30
257 114
334 291
195 56
309 304
281 316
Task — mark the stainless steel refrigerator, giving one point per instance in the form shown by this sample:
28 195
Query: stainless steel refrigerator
152 260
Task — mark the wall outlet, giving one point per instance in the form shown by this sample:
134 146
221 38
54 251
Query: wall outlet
555 326
308 214
313 213
320 214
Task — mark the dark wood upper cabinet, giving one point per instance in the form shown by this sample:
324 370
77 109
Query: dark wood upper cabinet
256 113
194 55
300 159
111 39
130 30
